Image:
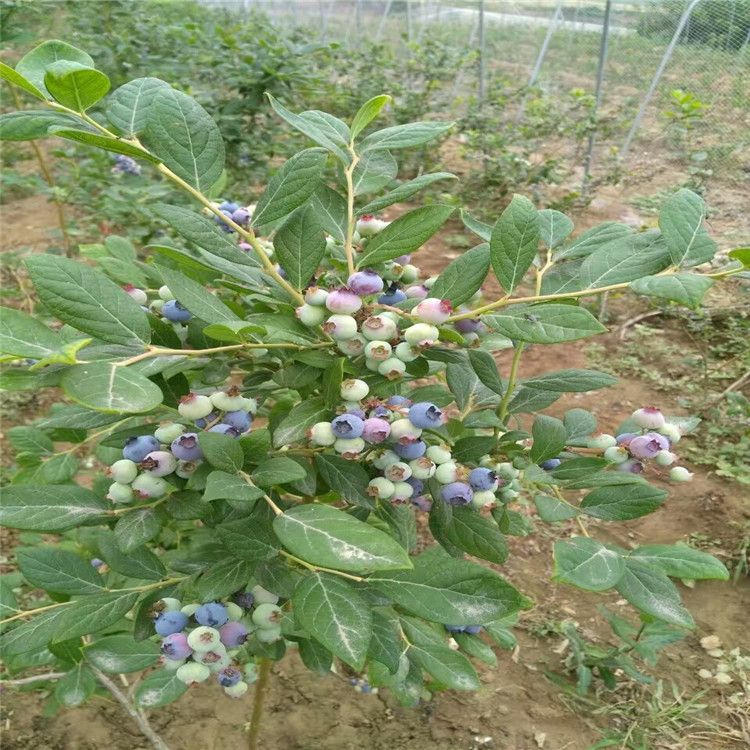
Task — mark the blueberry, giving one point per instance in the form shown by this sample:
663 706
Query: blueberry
550 463
228 677
96 562
176 646
392 295
483 479
240 420
186 447
457 493
648 445
168 623
417 485
138 447
233 634
229 206
347 426
212 615
425 415
473 629
398 401
411 450
175 312
455 628
225 429
365 282
267 615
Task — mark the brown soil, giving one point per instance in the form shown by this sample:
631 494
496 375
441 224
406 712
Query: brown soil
518 708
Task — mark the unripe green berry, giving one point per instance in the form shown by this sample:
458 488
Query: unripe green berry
168 432
170 604
311 315
439 454
392 368
402 491
447 472
421 335
192 673
409 274
680 474
616 454
403 428
190 609
123 471
268 635
195 406
120 493
267 615
398 472
204 639
322 434
422 468
165 293
665 458
349 447
483 498
378 350
406 352
381 487
149 486
354 390
672 431
237 690
385 459
602 441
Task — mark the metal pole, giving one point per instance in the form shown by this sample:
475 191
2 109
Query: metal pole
358 13
460 74
381 27
482 50
657 77
599 89
547 39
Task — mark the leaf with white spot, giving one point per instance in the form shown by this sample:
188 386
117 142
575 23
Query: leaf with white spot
587 564
106 387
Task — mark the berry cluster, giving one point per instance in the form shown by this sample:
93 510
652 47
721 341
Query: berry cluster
399 439
631 451
172 450
125 165
361 685
165 305
200 640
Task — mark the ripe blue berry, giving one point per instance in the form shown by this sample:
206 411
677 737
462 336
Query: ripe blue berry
473 629
168 623
457 493
212 615
229 206
648 445
425 415
416 484
410 451
624 438
244 599
138 447
175 312
455 628
483 479
228 677
550 463
347 426
186 447
225 429
240 420
365 282
467 325
233 634
392 296
203 422
176 646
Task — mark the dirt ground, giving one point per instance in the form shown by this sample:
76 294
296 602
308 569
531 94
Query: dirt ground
518 707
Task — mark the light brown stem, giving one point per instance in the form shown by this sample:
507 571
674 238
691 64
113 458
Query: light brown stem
264 675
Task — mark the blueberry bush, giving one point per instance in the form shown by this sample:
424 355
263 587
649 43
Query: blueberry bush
279 393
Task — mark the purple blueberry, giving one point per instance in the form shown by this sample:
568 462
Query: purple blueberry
348 426
205 421
212 615
222 223
417 484
398 401
229 206
186 447
357 413
225 429
550 463
631 467
240 420
625 438
241 216
365 282
421 502
176 646
425 415
375 430
411 451
175 312
392 296
244 599
457 493
96 562
467 325
648 445
482 479
233 634
473 629
228 677
139 446
402 260
168 623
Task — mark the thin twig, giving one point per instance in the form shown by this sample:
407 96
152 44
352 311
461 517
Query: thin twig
138 716
636 319
34 678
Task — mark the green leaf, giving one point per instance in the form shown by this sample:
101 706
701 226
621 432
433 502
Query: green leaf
367 113
87 300
310 128
475 647
138 562
330 209
549 436
386 644
30 440
75 86
160 688
249 539
478 227
109 388
34 634
404 192
486 370
32 124
686 288
58 570
291 186
462 277
336 615
554 227
592 239
315 657
576 469
681 222
514 242
93 613
551 509
76 687
333 539
50 508
587 564
12 76
103 142
337 130
472 448
406 234
544 324
121 654
467 388
300 245
404 136
374 171
293 427
652 592
223 486
33 65
346 478
128 106
196 298
8 601
623 502
138 527
278 470
224 579
444 589
741 255
185 137
681 561
256 445
570 381
476 535
580 424
448 667
626 259
222 451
